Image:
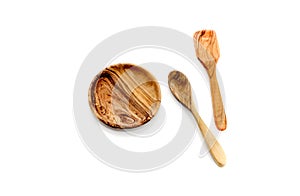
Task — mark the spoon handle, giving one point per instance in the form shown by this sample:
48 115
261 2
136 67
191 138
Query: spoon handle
218 108
213 145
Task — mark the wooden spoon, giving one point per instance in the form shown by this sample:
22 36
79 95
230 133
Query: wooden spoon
208 53
181 89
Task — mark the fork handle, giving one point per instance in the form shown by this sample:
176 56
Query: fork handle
213 145
217 103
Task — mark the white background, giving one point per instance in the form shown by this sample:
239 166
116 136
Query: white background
42 45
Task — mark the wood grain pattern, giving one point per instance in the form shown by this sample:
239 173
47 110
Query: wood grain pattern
181 89
208 53
124 96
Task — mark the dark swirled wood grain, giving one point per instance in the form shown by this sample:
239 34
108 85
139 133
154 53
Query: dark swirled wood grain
124 96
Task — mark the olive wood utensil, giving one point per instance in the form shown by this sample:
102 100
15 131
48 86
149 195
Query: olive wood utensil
208 53
181 89
124 96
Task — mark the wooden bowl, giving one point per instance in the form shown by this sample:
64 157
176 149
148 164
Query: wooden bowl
124 96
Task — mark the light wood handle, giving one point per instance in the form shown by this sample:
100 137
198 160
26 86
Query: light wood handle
213 145
218 108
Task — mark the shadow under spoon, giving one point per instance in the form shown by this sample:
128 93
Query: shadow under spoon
181 89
